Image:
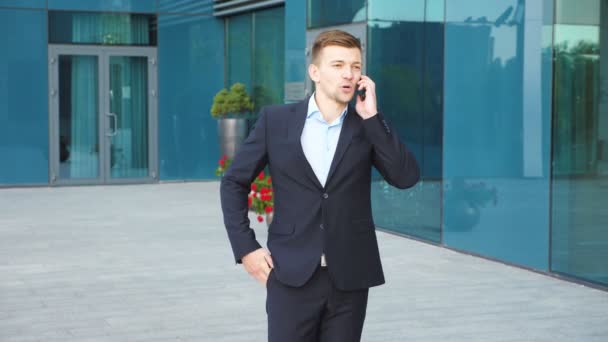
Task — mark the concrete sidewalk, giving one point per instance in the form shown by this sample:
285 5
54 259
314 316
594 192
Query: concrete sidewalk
153 263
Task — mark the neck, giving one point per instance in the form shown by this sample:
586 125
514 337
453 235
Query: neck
330 109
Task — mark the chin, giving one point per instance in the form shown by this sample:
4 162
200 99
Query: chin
344 98
348 99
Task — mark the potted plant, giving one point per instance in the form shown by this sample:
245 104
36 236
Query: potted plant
231 108
261 197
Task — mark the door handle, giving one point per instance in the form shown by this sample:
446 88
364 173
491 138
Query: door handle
114 126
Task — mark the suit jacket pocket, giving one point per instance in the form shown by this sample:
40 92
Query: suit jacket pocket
364 225
281 228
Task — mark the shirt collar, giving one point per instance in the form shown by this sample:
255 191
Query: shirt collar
314 109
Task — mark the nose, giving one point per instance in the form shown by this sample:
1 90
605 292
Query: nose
347 73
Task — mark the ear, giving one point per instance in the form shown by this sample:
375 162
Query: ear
313 72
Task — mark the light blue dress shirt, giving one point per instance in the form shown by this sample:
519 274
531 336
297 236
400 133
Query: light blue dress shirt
319 139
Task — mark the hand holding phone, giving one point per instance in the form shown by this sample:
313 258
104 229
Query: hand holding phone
366 97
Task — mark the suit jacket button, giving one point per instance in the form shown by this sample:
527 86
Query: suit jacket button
326 195
321 226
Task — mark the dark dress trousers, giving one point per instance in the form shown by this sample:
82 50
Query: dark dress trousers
311 219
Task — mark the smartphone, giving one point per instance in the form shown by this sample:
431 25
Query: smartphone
361 94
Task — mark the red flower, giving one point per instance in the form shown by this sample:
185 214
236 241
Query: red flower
268 209
260 218
254 187
261 175
265 197
269 180
222 162
249 201
264 191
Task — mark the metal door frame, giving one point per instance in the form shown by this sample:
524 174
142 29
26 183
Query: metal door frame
103 54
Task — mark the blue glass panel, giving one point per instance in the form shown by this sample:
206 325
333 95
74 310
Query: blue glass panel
396 10
24 123
261 66
435 10
23 3
188 139
79 155
269 57
138 6
238 50
186 6
580 141
323 13
295 49
485 12
405 59
497 131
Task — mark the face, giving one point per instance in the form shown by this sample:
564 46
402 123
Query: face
336 73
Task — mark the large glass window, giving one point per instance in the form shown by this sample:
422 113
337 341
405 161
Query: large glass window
405 59
580 140
102 28
190 71
497 125
256 54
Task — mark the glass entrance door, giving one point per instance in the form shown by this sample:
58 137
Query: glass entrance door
103 115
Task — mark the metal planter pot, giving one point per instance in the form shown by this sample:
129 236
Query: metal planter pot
232 132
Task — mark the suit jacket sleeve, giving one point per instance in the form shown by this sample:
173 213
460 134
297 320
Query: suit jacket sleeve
394 161
250 159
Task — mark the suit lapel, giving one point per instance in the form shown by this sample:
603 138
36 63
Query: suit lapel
346 134
295 128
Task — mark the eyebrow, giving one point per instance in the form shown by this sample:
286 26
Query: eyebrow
341 61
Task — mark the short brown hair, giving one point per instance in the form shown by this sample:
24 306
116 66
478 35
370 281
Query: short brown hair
333 37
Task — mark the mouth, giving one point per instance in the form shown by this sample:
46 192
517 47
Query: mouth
347 87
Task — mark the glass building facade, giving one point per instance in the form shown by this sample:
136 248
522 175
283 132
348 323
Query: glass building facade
503 102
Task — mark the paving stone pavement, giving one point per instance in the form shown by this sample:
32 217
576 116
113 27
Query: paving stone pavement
153 263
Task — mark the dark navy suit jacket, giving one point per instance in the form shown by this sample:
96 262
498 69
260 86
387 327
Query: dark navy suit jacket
310 219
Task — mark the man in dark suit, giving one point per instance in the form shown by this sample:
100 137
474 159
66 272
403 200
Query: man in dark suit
322 255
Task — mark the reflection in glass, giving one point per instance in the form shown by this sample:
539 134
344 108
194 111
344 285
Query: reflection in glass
129 117
406 63
78 117
328 13
435 10
484 11
496 142
396 10
188 144
260 66
102 28
269 57
580 141
238 49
